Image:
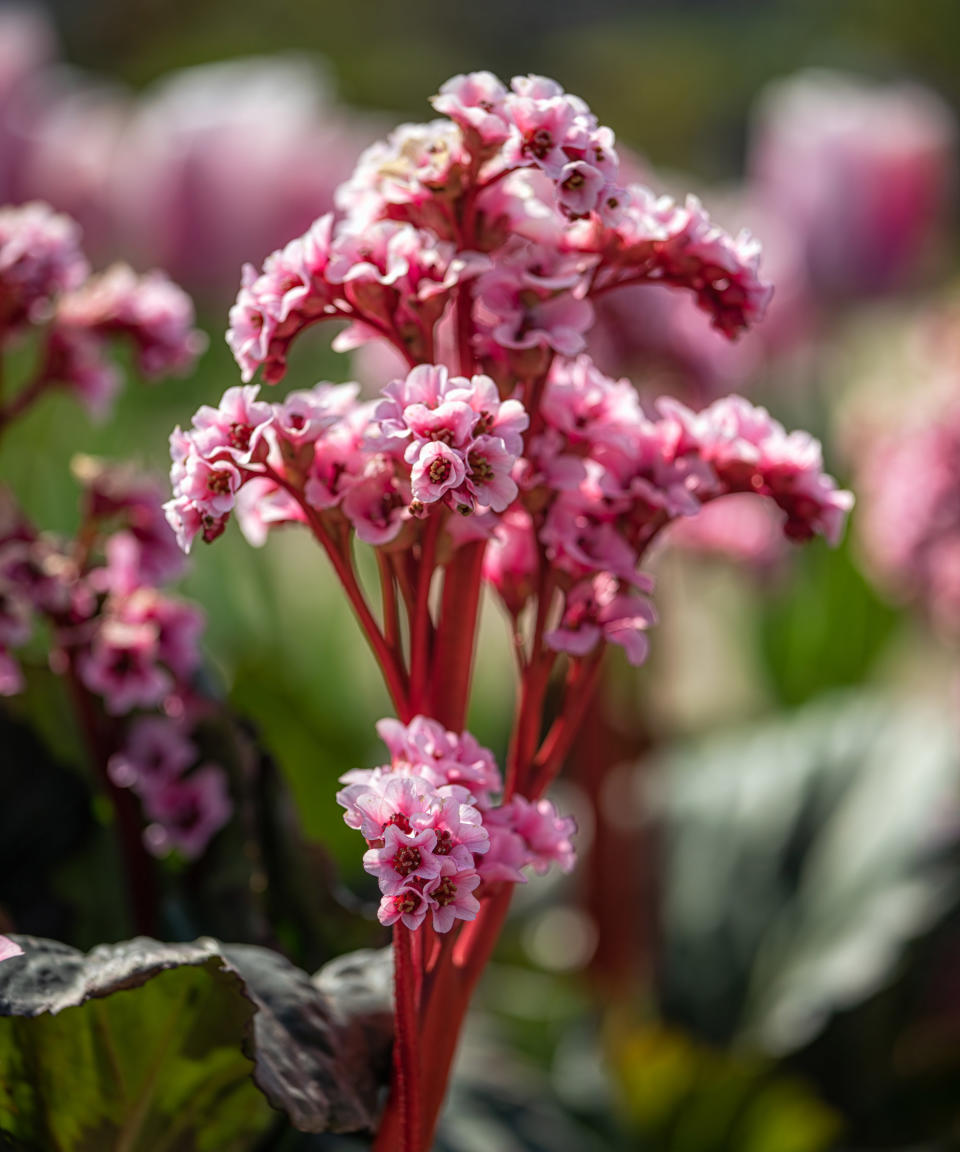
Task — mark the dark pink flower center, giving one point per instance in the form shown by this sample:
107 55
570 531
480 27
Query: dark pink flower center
445 892
407 860
540 143
439 470
406 902
219 482
240 435
444 843
480 469
400 821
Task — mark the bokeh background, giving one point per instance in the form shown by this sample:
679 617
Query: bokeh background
760 951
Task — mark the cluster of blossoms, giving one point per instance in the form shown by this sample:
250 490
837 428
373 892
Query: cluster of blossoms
474 247
46 288
431 440
482 239
122 641
488 197
125 646
167 175
437 842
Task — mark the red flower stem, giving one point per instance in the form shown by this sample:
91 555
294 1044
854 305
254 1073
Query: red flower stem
405 1043
388 592
421 625
393 674
581 683
386 655
401 563
389 334
533 686
443 1014
624 282
465 328
456 636
138 865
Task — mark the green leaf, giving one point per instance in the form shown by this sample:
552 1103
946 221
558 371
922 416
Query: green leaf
802 857
154 1046
136 1046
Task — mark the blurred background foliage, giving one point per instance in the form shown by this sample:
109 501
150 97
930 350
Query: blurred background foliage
760 950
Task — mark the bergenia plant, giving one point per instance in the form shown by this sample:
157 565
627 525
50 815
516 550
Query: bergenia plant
474 246
126 649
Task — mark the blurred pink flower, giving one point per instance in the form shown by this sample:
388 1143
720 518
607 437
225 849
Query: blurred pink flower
863 173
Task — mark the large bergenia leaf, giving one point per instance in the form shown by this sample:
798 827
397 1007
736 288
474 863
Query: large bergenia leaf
801 857
159 1046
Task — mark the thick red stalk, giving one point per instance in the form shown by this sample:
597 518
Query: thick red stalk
548 761
421 625
456 636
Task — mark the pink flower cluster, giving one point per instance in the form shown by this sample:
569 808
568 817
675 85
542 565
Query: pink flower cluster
432 440
437 843
45 281
40 257
184 804
518 189
124 641
130 643
475 247
660 241
602 479
168 175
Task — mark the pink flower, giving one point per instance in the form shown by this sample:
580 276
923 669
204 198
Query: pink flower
476 103
376 504
862 172
658 241
187 812
443 756
178 625
489 481
451 898
407 905
588 407
596 610
404 177
212 487
510 560
533 298
545 833
338 459
404 857
151 310
40 258
384 799
305 415
234 428
121 665
436 471
156 751
262 506
143 548
275 306
188 520
508 852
